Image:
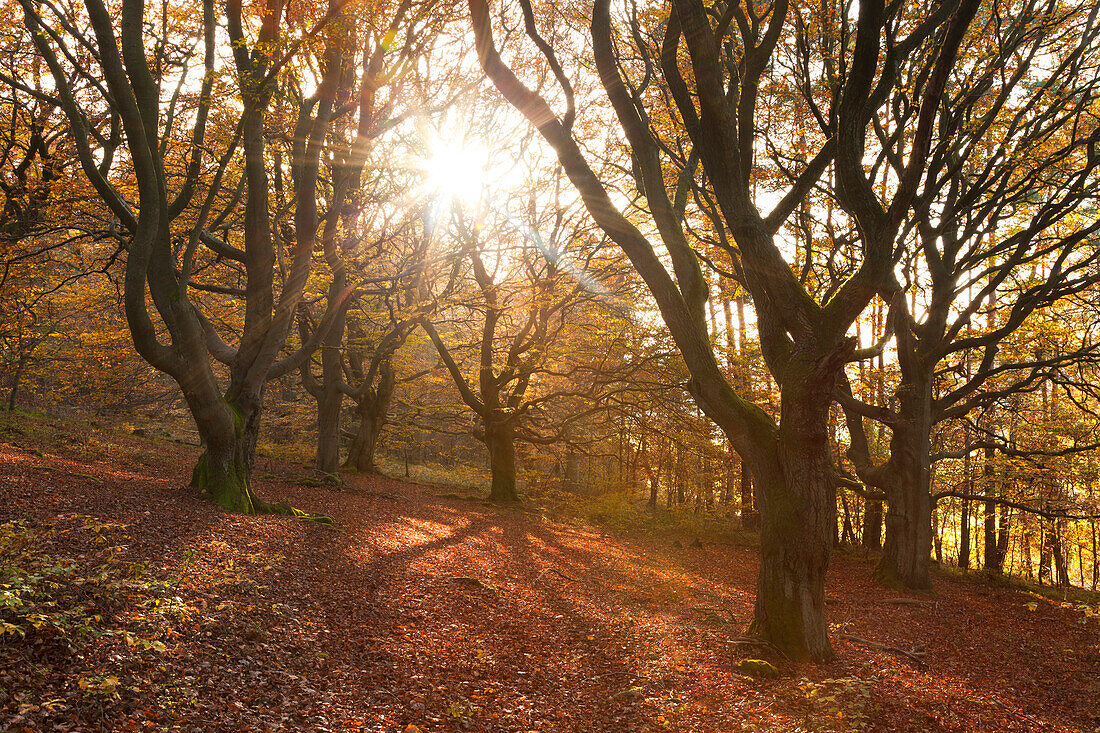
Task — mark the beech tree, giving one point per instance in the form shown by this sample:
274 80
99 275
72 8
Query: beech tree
1003 228
387 306
531 285
366 196
185 182
725 51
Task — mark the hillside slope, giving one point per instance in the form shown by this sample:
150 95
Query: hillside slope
448 614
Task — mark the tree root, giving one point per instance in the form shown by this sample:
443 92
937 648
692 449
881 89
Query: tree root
756 641
278 507
916 655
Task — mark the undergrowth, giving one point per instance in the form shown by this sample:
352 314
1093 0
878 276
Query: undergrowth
618 511
86 633
467 478
1072 595
63 600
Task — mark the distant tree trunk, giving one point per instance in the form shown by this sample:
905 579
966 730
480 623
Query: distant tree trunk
1025 550
1044 554
964 516
964 534
847 532
680 475
19 367
1095 565
372 409
668 487
992 560
1004 527
937 537
572 468
328 433
1057 551
750 519
872 525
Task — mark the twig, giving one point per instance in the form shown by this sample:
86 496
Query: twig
466 579
916 656
556 571
906 602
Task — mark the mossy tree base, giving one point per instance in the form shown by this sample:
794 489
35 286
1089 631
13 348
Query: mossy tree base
229 487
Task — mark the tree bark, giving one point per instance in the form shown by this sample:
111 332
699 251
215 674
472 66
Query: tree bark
372 409
228 433
991 557
15 381
907 553
872 525
500 441
798 513
331 398
750 519
964 534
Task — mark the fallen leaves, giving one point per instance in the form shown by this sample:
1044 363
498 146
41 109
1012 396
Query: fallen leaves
425 616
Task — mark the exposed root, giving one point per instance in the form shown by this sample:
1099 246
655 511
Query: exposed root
916 655
556 572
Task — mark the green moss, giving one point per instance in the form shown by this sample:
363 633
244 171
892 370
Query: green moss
758 668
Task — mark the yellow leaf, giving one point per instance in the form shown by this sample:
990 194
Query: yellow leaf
1033 606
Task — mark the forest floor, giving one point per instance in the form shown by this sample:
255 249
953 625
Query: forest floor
147 608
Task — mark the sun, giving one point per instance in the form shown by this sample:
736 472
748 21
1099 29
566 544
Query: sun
456 171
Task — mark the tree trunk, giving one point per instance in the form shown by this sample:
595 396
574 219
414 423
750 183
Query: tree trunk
964 535
750 519
872 525
1004 524
228 437
1061 571
937 537
328 430
15 381
847 532
991 560
372 408
797 505
907 553
365 441
908 487
500 441
1044 554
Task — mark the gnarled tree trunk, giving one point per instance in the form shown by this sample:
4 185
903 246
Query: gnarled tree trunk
372 409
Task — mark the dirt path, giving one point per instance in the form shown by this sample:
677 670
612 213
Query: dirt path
447 614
